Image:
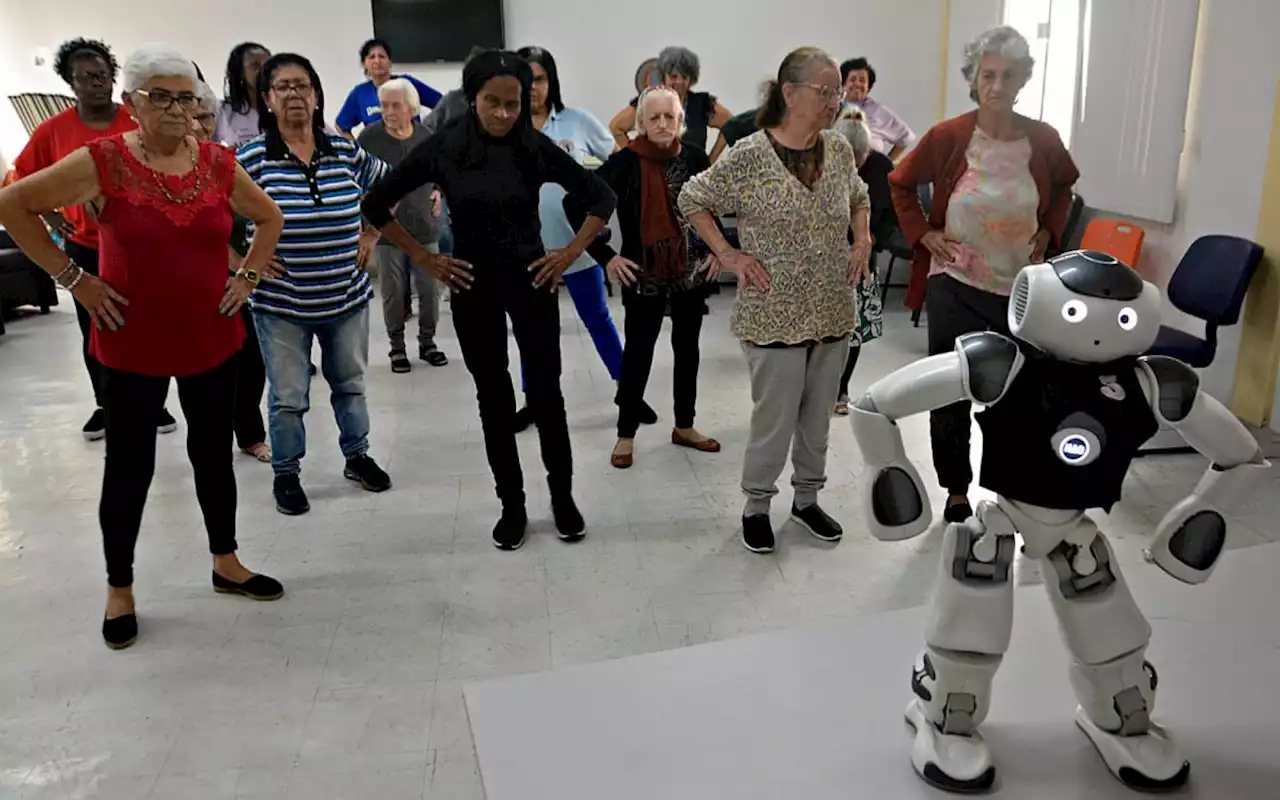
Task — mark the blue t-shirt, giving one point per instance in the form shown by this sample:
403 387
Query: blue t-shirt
362 106
580 135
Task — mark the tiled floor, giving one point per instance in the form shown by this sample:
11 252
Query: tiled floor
350 686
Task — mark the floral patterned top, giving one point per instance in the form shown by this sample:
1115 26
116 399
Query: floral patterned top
799 235
994 213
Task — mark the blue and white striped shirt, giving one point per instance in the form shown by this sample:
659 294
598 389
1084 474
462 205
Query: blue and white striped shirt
321 206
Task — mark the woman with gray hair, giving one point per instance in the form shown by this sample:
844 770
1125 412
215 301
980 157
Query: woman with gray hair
161 198
1001 193
795 189
680 70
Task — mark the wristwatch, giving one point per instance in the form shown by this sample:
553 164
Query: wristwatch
250 275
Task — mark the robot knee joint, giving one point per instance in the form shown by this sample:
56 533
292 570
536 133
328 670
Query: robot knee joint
975 561
1082 571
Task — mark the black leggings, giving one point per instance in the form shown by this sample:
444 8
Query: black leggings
87 258
643 326
251 379
131 403
849 364
954 309
480 319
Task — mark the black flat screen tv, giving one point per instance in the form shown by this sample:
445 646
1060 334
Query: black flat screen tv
424 31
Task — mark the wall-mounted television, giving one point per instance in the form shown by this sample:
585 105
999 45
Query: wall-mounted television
425 31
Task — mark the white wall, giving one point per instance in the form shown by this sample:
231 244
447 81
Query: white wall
597 51
968 19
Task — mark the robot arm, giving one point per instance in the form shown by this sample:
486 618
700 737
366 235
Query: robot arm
1191 536
979 370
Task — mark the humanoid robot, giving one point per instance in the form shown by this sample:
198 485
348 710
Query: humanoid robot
1067 403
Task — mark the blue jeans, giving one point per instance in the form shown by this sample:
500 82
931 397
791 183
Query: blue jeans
286 352
587 290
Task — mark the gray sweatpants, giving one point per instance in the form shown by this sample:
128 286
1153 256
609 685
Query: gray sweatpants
793 389
394 268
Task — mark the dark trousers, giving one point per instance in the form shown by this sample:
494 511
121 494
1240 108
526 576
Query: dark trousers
87 258
849 364
954 309
131 403
251 379
644 315
480 319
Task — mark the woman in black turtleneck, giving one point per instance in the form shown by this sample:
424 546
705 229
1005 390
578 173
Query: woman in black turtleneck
490 168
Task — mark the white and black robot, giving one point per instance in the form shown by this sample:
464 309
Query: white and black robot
1066 404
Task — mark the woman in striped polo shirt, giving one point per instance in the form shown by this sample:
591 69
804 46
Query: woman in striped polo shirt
317 178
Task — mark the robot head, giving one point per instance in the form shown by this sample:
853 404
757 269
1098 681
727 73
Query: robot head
1085 306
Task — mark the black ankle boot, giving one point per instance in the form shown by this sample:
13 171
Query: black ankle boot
510 531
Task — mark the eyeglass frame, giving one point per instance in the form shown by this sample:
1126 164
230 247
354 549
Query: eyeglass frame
301 90
824 90
185 102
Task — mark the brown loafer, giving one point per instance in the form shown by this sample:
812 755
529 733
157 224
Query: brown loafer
622 460
704 446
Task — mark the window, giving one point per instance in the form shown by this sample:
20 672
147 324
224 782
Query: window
1053 28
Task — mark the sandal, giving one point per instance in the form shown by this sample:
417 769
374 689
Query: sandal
622 460
434 357
260 451
400 363
842 407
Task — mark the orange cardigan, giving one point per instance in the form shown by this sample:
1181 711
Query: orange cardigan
939 158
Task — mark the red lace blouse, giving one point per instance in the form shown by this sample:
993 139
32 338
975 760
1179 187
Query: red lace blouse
163 246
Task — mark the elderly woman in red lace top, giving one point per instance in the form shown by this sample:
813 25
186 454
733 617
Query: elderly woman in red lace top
162 306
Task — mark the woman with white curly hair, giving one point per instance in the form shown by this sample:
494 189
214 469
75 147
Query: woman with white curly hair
1001 194
162 199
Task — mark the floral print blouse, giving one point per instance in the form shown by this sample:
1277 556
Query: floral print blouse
799 235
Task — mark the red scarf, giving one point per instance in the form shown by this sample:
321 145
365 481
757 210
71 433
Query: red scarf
660 229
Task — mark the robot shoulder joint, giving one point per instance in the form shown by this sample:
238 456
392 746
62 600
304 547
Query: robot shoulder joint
990 362
1177 386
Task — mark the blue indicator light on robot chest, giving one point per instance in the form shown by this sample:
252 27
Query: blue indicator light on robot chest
1074 449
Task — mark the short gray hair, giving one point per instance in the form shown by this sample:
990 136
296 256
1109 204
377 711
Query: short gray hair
1004 41
679 61
156 60
853 127
206 96
403 86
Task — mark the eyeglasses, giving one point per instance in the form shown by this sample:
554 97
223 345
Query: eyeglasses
92 78
206 118
827 93
164 101
285 89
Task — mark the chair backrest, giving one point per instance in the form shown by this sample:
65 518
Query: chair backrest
1121 240
1073 221
32 109
1213 276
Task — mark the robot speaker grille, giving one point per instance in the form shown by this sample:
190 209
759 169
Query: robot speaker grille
1021 295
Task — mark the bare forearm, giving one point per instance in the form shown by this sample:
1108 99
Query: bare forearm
861 222
29 233
587 234
266 235
705 224
394 232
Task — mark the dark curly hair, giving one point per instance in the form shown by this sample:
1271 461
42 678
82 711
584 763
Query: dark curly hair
235 87
75 49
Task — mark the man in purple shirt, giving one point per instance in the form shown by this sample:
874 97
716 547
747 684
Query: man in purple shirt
889 134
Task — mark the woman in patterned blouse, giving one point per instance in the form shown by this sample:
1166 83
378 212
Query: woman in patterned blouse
795 189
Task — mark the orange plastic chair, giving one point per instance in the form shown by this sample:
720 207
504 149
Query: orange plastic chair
1123 240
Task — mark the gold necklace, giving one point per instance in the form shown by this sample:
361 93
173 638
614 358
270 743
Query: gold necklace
156 175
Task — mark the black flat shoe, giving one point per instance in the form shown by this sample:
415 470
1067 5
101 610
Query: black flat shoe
957 512
259 587
120 632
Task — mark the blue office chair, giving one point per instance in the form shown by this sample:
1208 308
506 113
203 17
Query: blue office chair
1209 284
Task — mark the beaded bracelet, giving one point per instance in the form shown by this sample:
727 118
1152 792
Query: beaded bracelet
74 282
71 266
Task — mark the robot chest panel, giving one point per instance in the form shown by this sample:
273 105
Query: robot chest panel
1072 418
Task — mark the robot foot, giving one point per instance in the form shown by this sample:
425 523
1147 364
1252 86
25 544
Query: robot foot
1149 762
957 764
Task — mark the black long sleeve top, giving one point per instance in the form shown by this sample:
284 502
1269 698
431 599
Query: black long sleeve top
492 186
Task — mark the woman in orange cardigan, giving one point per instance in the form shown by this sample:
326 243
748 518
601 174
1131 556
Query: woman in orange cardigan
1001 192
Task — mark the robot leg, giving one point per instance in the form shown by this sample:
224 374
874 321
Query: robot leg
969 628
1107 636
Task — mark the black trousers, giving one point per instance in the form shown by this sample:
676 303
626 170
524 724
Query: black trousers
644 315
87 258
849 364
131 403
480 319
251 379
954 309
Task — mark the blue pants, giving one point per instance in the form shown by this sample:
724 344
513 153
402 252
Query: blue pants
286 353
587 290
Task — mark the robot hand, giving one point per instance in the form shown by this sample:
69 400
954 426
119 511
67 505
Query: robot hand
1191 536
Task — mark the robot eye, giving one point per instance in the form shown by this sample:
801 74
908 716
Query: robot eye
1128 318
1076 311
